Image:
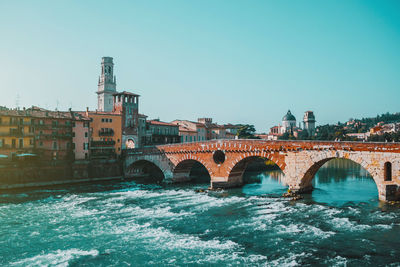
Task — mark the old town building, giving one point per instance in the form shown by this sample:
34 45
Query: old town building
159 132
190 131
127 104
204 129
80 135
106 134
38 132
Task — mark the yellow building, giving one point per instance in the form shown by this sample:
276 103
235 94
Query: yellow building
17 132
106 134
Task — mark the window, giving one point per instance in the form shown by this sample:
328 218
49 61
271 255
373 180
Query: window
73 145
21 143
110 120
86 134
102 120
86 124
54 145
31 141
13 143
73 134
21 121
40 143
41 122
388 171
2 143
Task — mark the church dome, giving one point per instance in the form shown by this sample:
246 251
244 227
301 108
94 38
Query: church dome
288 117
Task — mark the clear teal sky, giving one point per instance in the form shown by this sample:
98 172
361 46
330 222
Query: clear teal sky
235 61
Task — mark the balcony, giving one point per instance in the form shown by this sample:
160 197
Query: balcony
54 136
102 144
106 133
16 133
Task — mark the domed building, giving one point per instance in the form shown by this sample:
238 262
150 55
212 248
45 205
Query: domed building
288 122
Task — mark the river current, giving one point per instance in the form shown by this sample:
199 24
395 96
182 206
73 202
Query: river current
341 223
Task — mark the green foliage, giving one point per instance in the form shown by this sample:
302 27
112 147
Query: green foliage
246 132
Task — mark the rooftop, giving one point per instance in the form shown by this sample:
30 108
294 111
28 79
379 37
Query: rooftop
125 93
157 122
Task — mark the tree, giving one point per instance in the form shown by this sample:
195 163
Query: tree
247 132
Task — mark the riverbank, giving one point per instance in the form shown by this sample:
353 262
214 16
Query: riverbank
28 174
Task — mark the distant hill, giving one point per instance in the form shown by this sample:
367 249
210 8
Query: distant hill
385 118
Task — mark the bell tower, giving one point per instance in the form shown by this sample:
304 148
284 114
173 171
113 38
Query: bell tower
107 85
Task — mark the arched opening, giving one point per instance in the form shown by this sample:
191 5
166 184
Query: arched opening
259 175
338 181
191 171
388 171
145 171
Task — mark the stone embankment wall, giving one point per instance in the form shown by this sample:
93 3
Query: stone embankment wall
46 173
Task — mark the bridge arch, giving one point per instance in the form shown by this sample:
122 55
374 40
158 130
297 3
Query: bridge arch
239 166
191 168
305 182
145 168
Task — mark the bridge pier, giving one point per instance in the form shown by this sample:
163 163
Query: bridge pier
226 182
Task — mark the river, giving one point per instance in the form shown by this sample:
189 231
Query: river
341 223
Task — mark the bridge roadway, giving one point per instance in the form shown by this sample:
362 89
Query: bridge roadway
226 161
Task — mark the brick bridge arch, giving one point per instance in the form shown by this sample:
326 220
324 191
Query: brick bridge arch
240 162
299 160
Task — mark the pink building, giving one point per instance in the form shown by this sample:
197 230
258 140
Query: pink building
80 136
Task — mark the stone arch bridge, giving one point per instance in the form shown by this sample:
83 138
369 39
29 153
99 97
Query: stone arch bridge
226 161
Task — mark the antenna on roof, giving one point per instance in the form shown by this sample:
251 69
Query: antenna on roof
17 99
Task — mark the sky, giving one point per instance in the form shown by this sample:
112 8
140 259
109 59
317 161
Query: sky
235 61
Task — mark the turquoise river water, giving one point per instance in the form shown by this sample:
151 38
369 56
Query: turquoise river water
341 223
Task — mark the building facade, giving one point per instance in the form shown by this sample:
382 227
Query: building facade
127 104
160 133
36 131
80 136
106 134
17 132
190 131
